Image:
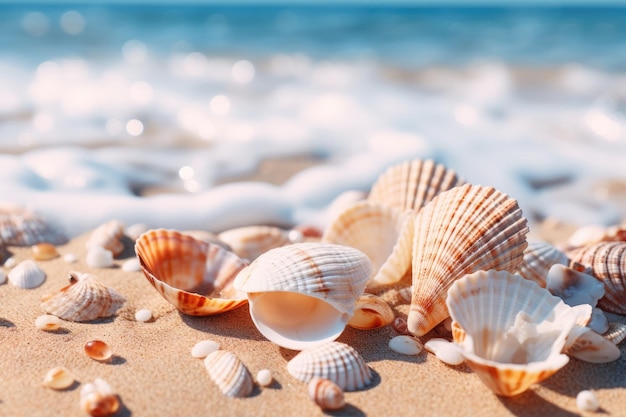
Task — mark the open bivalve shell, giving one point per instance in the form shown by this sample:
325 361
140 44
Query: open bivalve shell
412 184
511 330
463 230
85 299
335 361
229 373
251 241
539 256
303 294
384 234
194 276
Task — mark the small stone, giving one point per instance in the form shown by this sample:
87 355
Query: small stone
10 262
143 315
47 322
131 265
44 251
204 348
98 257
264 377
586 401
135 230
70 258
58 378
98 350
406 345
445 351
399 325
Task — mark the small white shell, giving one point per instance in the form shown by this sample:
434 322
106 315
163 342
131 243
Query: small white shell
264 377
406 345
143 315
586 345
587 401
58 378
98 399
70 258
99 257
326 394
108 236
47 322
447 352
27 275
573 287
203 348
371 312
229 373
131 265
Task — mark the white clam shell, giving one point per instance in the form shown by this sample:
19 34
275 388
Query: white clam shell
539 257
108 236
406 345
27 275
47 322
303 294
586 345
447 352
203 348
335 361
229 374
58 378
251 241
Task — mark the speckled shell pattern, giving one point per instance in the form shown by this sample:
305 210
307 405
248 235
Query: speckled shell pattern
333 273
335 361
539 257
251 241
384 234
607 261
194 276
19 227
85 299
463 230
412 184
229 374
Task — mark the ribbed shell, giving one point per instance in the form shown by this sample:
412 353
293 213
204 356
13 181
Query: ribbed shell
384 234
27 275
511 330
336 274
607 261
194 276
371 312
334 361
412 184
616 333
539 257
19 227
84 299
463 230
251 241
326 394
108 236
229 373
586 345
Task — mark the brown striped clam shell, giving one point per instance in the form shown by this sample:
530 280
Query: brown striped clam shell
539 256
229 374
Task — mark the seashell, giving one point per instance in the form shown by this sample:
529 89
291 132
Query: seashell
384 234
44 251
371 312
447 352
399 325
406 345
466 229
573 287
194 276
591 234
229 373
598 322
251 241
203 348
586 345
264 377
47 322
511 331
98 257
58 378
85 299
539 256
616 333
587 401
131 265
326 394
70 258
335 361
27 275
303 294
135 230
3 277
143 315
108 236
20 227
98 399
412 184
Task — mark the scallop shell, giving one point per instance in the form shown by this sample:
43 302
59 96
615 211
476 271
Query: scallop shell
607 261
251 241
412 184
384 234
303 294
466 229
194 276
20 227
27 275
326 394
335 361
371 312
229 373
108 236
616 333
511 330
539 256
84 299
586 345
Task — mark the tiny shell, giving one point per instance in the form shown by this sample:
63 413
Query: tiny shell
108 236
131 265
98 350
44 251
399 325
586 345
447 352
406 345
264 377
58 378
27 275
143 315
587 401
249 242
326 394
203 348
10 262
229 373
616 332
97 399
70 258
99 257
47 322
371 312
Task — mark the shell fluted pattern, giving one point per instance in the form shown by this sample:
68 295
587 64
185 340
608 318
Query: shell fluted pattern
539 257
229 374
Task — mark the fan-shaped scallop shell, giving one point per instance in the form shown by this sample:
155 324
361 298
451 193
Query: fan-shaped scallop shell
539 256
85 299
194 276
463 230
335 361
229 373
27 275
384 234
108 236
20 227
607 261
303 294
511 330
251 241
412 184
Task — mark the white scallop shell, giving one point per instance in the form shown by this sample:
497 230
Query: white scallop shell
249 242
229 373
27 275
465 229
335 361
108 236
511 330
85 299
539 257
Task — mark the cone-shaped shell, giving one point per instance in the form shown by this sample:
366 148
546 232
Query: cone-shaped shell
108 236
384 234
511 330
229 373
412 184
194 276
27 275
607 261
251 241
20 227
539 257
463 230
85 299
304 294
334 361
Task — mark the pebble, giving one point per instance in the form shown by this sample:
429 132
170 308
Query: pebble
70 258
131 265
98 350
399 325
47 322
44 251
445 351
264 377
143 315
10 263
586 401
204 348
98 257
58 378
406 345
3 277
